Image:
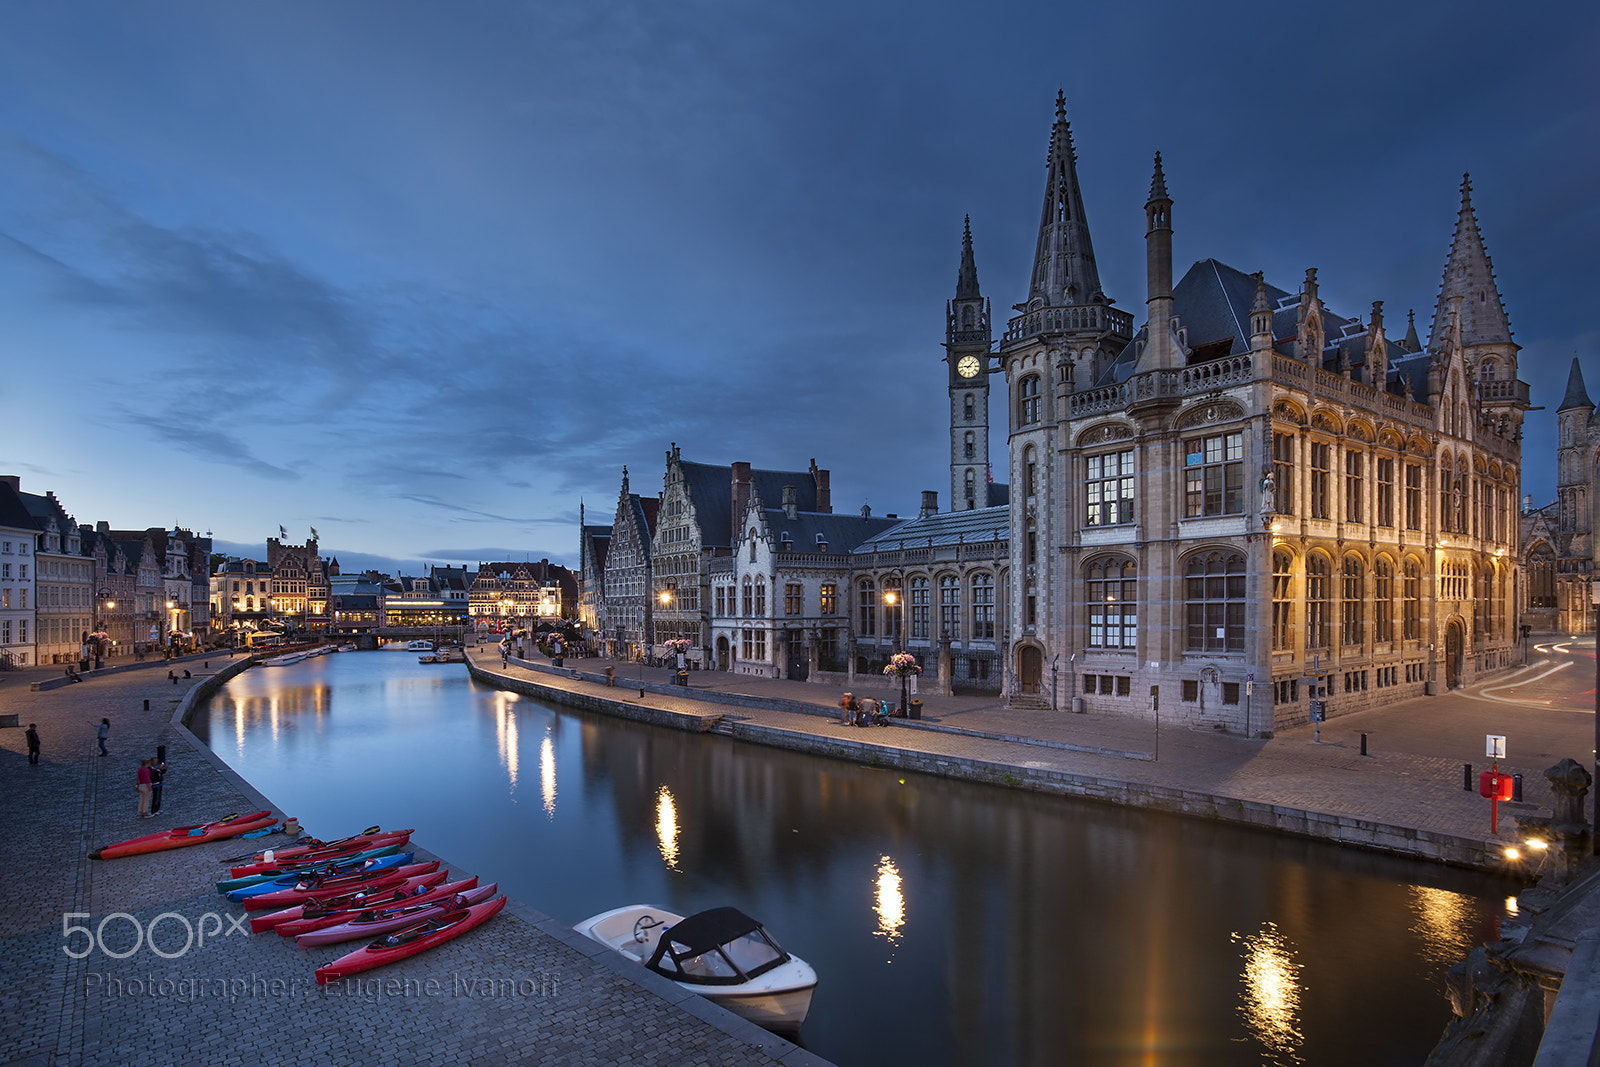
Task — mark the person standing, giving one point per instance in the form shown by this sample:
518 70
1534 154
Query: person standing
33 742
102 730
144 780
158 772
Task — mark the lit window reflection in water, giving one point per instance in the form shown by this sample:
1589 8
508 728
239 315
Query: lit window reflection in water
891 902
547 775
667 827
1271 997
505 727
1446 924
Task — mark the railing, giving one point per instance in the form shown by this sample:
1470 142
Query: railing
1510 389
1095 317
1230 370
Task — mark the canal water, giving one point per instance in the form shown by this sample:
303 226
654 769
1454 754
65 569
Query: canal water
951 923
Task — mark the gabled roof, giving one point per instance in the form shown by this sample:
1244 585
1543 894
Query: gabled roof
979 525
711 489
13 513
840 533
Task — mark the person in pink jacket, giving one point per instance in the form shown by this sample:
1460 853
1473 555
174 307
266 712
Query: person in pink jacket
146 778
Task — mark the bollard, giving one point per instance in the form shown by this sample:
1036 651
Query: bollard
1516 788
206 665
1363 744
1466 777
146 705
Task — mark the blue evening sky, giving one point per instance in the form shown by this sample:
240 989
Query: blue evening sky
423 276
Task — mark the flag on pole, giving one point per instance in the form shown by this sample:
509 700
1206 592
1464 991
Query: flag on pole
283 533
313 533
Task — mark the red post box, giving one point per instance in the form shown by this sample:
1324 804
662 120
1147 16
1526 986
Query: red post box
1495 785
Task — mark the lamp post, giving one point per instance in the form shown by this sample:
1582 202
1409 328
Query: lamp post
101 600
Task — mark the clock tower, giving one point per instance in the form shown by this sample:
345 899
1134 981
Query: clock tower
966 345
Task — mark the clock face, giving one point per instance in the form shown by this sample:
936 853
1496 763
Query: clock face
968 366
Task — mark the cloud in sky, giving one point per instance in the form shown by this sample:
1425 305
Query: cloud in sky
421 271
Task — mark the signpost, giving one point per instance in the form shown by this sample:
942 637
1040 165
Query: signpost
1493 784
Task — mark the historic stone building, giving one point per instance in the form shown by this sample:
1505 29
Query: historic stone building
1558 539
64 592
630 575
18 538
1251 502
779 602
593 544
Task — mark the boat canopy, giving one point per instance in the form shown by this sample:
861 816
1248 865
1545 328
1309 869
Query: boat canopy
723 946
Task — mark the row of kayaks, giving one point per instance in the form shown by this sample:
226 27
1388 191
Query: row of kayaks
364 887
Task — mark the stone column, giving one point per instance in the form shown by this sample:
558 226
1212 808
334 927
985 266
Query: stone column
945 667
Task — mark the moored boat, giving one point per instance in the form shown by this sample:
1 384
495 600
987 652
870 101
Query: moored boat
311 852
336 910
184 836
722 955
386 920
411 940
370 860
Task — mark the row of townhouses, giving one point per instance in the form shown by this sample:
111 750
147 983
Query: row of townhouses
71 593
1246 510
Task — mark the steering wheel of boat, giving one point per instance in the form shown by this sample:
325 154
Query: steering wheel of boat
643 925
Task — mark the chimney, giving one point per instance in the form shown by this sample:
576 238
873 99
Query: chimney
824 496
741 498
790 508
13 480
930 503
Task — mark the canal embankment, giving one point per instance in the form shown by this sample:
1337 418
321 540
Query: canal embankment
1398 803
138 959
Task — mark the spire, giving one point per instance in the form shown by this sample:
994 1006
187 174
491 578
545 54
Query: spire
1469 275
967 278
1158 184
1577 396
1412 342
1064 271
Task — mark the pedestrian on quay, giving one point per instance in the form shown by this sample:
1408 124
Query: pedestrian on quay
846 709
102 730
158 773
144 780
33 743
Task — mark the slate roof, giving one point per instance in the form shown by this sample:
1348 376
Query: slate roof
841 533
13 512
948 528
599 544
711 490
1577 396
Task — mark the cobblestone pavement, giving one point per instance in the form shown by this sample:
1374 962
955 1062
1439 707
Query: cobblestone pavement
169 978
1409 784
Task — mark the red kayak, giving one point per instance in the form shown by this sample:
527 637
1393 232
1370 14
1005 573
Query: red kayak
373 923
366 898
381 879
410 941
232 826
318 918
279 861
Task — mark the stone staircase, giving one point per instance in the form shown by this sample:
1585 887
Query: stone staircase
723 726
1029 701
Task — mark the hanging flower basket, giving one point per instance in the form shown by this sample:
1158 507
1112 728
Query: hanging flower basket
676 645
902 665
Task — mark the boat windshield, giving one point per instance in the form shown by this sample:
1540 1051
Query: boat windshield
751 953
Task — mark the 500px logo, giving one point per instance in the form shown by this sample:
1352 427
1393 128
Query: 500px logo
194 934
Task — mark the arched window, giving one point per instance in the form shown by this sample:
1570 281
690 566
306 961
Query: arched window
1282 601
748 601
1214 597
1382 600
1028 400
1411 597
752 536
971 489
967 407
867 606
1112 600
1030 471
969 445
1353 630
1317 596
950 607
919 608
893 608
983 607
1541 577
966 317
1487 370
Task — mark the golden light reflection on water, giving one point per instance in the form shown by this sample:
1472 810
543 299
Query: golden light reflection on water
1270 1004
891 902
505 729
547 775
667 827
1445 923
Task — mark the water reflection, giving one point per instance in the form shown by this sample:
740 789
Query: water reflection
1045 931
1446 923
667 827
891 902
1270 1001
547 774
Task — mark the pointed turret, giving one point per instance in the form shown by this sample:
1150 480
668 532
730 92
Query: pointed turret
1064 271
1413 343
1261 316
967 316
1576 396
967 337
967 276
1469 274
1163 350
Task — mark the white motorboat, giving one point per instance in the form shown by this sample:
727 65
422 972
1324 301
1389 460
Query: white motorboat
722 954
420 646
284 660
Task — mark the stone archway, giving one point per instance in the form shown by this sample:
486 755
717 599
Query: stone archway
1030 668
1454 651
722 653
